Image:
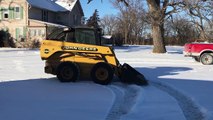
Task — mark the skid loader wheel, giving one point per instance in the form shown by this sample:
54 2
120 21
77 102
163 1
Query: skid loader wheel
102 73
67 72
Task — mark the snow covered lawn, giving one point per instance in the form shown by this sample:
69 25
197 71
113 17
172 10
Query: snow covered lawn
180 89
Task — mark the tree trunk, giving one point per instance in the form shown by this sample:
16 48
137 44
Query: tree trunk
126 36
157 21
158 39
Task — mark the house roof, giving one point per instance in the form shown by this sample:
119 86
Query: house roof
48 5
48 23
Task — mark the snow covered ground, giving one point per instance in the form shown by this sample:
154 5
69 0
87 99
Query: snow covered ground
180 89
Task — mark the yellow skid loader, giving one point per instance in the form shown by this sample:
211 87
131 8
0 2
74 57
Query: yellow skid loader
73 53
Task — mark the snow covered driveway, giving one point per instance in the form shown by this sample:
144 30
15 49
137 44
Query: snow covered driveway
180 89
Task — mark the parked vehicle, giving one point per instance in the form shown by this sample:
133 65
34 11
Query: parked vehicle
201 52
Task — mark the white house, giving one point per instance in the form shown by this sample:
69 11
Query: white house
30 20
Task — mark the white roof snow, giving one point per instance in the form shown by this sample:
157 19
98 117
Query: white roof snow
69 6
107 36
52 5
48 23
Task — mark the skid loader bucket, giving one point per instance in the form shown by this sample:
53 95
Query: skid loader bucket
131 76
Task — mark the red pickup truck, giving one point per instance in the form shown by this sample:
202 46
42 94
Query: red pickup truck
201 52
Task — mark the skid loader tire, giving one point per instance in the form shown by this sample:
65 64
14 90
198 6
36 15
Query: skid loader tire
67 72
102 73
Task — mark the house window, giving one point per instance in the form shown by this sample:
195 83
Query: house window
58 19
32 32
45 15
37 32
20 34
43 33
75 19
5 13
17 13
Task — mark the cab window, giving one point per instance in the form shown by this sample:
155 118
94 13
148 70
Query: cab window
57 35
85 36
70 37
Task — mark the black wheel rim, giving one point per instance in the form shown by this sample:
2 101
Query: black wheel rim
102 74
67 73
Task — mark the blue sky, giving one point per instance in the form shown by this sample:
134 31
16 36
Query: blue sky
104 7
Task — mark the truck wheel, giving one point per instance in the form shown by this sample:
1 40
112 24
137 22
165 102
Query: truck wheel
102 73
67 72
206 59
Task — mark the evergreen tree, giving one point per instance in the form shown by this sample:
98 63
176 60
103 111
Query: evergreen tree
94 20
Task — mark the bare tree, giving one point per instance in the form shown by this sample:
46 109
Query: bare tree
199 12
131 20
179 30
137 19
108 23
123 19
159 11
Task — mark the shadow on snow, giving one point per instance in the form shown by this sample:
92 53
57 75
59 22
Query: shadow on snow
196 91
48 99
